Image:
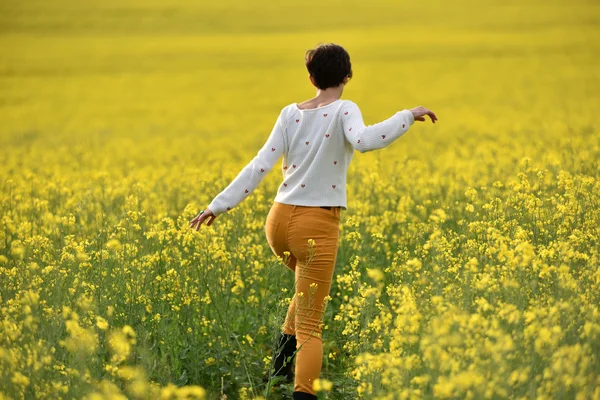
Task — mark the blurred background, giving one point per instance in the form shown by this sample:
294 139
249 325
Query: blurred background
205 69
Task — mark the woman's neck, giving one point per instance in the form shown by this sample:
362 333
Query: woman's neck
330 94
324 97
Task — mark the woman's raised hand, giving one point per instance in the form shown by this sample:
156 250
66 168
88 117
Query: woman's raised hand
420 112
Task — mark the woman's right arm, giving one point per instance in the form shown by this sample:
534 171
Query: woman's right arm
366 138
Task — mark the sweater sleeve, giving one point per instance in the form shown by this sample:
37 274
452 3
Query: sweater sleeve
366 138
253 173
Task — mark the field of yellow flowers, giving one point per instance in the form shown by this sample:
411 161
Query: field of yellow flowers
469 254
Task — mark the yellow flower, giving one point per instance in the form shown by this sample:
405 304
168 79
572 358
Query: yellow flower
210 361
322 384
249 339
80 339
375 274
128 330
113 244
19 379
119 345
101 323
191 392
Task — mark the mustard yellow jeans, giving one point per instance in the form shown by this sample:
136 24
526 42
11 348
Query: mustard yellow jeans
310 235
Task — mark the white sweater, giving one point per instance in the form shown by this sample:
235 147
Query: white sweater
317 146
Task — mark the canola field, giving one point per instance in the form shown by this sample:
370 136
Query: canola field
468 265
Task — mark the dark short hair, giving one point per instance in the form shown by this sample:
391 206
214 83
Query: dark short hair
328 64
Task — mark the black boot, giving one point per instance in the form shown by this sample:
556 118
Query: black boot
285 354
304 396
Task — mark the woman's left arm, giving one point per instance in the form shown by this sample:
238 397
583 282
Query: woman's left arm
248 178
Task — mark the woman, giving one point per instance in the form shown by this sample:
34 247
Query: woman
317 139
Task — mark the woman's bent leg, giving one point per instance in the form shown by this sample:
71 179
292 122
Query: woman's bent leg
314 272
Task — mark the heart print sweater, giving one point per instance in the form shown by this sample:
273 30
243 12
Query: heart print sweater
317 145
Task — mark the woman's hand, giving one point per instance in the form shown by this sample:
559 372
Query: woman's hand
420 112
201 217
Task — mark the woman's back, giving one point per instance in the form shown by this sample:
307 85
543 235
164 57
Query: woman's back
317 145
314 156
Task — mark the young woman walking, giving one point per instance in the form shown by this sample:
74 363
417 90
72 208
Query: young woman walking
317 139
